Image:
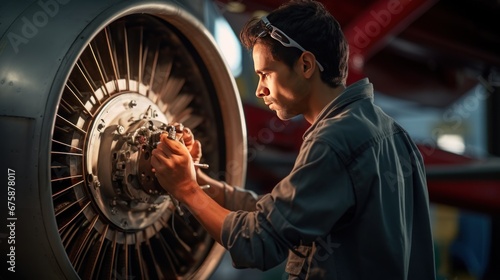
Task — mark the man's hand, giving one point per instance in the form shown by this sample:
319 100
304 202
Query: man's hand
175 172
193 146
174 167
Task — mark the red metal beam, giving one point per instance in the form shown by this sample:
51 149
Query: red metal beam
370 31
462 181
476 195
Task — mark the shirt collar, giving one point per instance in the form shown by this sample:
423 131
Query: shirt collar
359 90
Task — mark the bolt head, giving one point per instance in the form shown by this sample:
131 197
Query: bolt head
101 125
120 129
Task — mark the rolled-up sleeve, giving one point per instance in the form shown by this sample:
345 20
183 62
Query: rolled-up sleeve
248 238
302 207
237 198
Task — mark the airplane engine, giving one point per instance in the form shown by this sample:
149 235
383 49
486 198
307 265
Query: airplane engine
85 86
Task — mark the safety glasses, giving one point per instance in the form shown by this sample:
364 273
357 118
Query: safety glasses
281 37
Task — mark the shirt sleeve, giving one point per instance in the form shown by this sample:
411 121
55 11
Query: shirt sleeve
239 199
302 207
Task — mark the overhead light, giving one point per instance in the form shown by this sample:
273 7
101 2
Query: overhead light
452 143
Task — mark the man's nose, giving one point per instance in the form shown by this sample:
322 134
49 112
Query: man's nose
261 91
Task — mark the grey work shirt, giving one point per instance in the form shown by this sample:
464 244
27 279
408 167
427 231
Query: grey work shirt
355 205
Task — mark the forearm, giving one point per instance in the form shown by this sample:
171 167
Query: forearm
216 190
229 197
206 210
249 244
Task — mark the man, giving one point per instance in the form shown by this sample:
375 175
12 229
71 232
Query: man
355 205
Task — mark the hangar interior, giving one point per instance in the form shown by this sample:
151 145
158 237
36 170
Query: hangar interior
435 69
86 86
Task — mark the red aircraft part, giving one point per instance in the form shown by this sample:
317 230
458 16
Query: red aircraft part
370 31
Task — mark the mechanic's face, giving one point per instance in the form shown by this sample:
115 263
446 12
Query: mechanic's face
282 88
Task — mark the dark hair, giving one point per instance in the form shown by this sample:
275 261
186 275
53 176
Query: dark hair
314 28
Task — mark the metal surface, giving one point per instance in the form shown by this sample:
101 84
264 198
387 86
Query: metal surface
123 186
79 88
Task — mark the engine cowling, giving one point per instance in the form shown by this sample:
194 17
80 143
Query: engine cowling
79 82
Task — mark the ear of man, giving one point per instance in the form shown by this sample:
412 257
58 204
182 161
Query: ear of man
308 64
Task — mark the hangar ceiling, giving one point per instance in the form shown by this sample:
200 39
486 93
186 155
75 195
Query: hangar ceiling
427 51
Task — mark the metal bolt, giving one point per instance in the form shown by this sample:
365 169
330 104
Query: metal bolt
179 127
171 132
101 125
132 104
114 211
120 129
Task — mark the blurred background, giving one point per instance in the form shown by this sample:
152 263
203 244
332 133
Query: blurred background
435 69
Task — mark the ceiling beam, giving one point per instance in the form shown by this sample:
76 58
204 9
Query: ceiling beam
372 29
